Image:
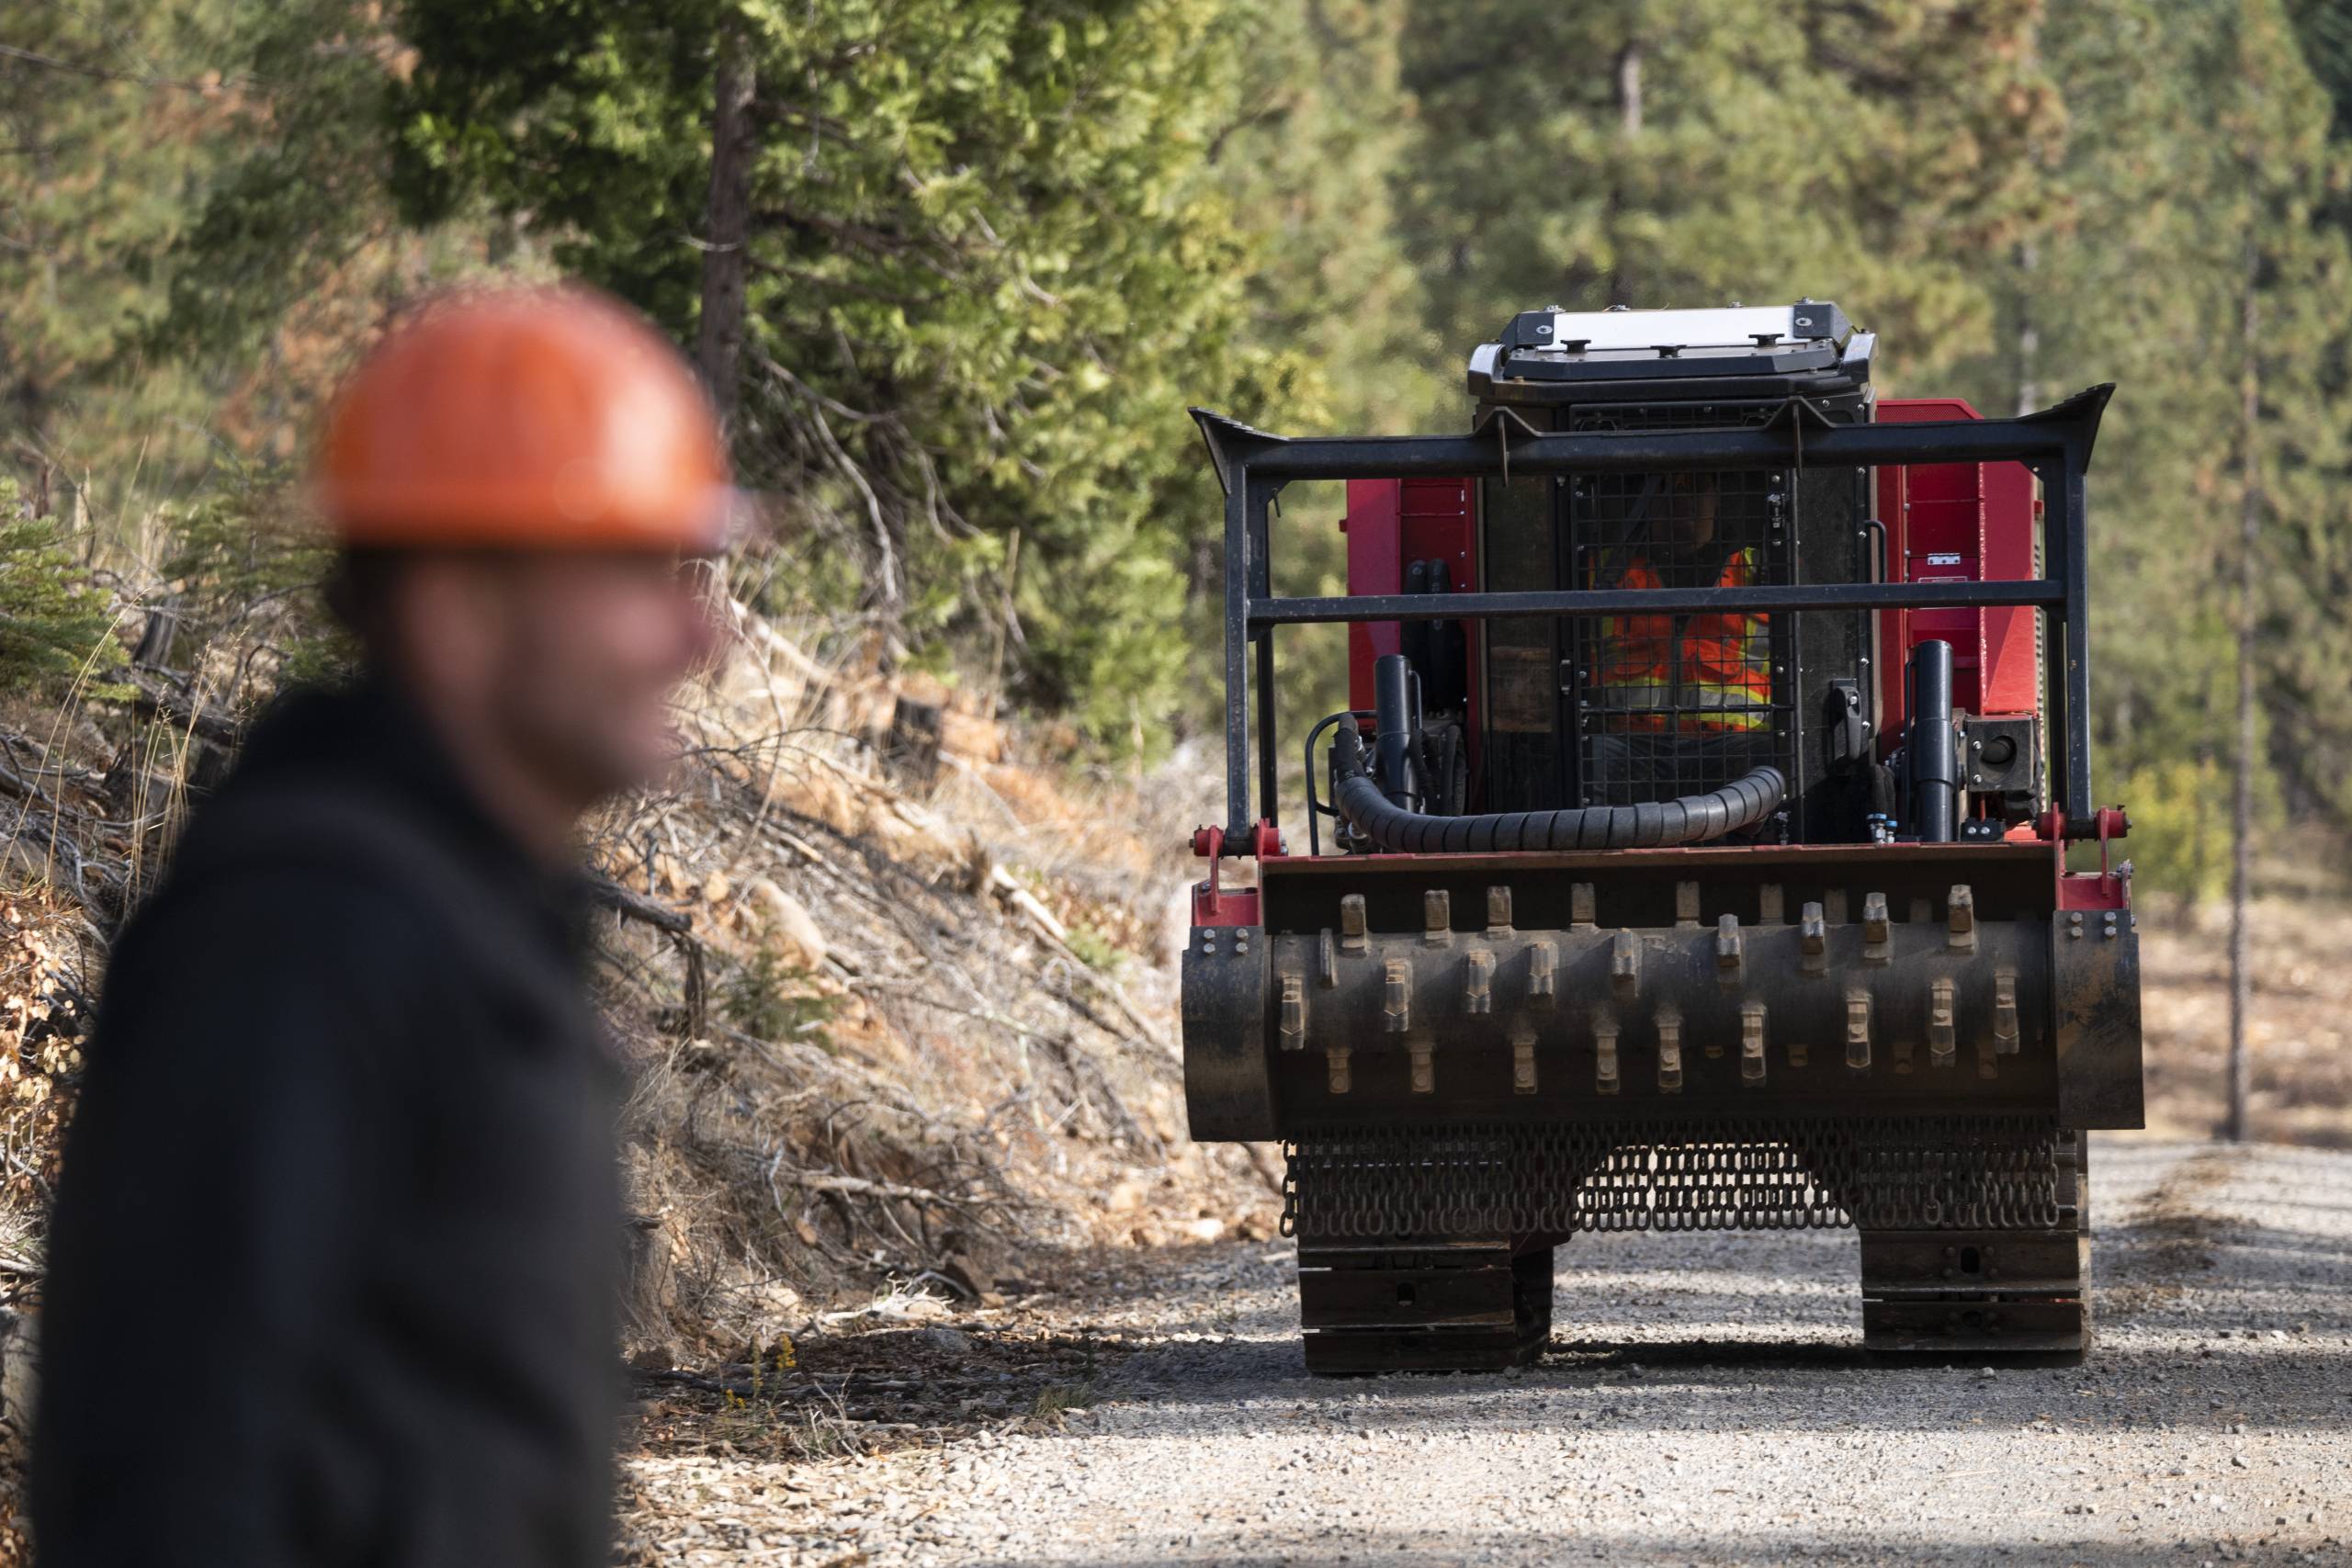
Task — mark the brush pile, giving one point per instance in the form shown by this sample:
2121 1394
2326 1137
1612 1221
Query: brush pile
901 1003
922 1023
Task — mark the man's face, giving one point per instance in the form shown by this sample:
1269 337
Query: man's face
1686 515
580 656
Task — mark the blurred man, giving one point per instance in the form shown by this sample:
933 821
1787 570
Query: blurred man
335 1268
1684 701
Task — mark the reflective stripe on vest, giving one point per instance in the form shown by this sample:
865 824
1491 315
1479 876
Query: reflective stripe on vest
1726 659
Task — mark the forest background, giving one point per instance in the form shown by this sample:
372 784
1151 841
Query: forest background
956 267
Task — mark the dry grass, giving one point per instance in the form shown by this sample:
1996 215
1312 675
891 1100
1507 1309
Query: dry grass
932 1028
2299 1028
911 1038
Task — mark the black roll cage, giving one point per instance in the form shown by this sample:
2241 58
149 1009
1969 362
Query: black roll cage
1252 466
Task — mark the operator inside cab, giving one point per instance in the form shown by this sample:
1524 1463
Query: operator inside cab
1635 708
1678 700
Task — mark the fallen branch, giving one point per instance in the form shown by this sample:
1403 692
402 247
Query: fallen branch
1025 904
680 926
160 697
858 1186
631 906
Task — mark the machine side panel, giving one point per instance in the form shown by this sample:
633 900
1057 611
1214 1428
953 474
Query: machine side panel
1942 541
2095 992
2012 674
1960 522
1374 527
1439 523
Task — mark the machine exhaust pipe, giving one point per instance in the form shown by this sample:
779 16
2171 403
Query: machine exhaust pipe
1394 722
1932 759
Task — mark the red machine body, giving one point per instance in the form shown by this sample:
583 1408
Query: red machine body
1944 522
1699 843
1960 523
1388 523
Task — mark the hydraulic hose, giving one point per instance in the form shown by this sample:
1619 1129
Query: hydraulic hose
1694 818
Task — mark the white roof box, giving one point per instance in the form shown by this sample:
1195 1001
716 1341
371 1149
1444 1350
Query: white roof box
1731 326
1808 348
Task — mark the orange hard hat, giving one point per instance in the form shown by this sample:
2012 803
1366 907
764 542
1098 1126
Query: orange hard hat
534 418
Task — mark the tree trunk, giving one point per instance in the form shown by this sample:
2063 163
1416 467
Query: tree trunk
1007 618
1629 123
726 261
2241 793
1629 88
2028 341
2029 258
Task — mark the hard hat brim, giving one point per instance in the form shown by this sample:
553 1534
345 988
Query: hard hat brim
429 517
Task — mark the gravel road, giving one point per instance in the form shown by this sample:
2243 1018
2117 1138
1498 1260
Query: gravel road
1705 1401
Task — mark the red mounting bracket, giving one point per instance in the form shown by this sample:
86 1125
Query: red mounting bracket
1212 905
2110 887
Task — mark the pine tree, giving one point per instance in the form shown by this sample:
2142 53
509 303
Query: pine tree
56 630
985 274
1650 154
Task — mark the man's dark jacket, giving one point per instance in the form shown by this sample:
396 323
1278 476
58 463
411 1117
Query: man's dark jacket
335 1268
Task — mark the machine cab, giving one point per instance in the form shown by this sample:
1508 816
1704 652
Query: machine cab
1549 712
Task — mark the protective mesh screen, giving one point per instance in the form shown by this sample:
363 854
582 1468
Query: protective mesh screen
1522 694
1671 705
1498 1179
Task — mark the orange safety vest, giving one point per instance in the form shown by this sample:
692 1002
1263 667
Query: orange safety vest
1718 677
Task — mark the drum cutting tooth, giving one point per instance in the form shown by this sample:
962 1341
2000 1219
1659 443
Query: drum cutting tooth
1770 906
1498 928
1877 929
1858 1028
1944 1032
1479 982
1751 1043
2005 1011
1686 905
1327 961
1522 1061
1727 950
1353 937
1626 964
1294 1027
1669 1051
1335 1062
1437 917
1542 973
1583 908
1396 1005
1813 940
1960 920
1604 1052
1424 1065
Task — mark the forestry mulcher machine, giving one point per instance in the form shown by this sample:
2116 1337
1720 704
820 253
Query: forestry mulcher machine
1698 845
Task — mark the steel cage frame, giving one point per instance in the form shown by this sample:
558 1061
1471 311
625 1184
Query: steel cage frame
1253 465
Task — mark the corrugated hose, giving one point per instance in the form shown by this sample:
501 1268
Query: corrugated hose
1693 818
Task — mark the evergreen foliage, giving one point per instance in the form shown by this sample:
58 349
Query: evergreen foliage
1871 152
995 247
987 272
56 631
